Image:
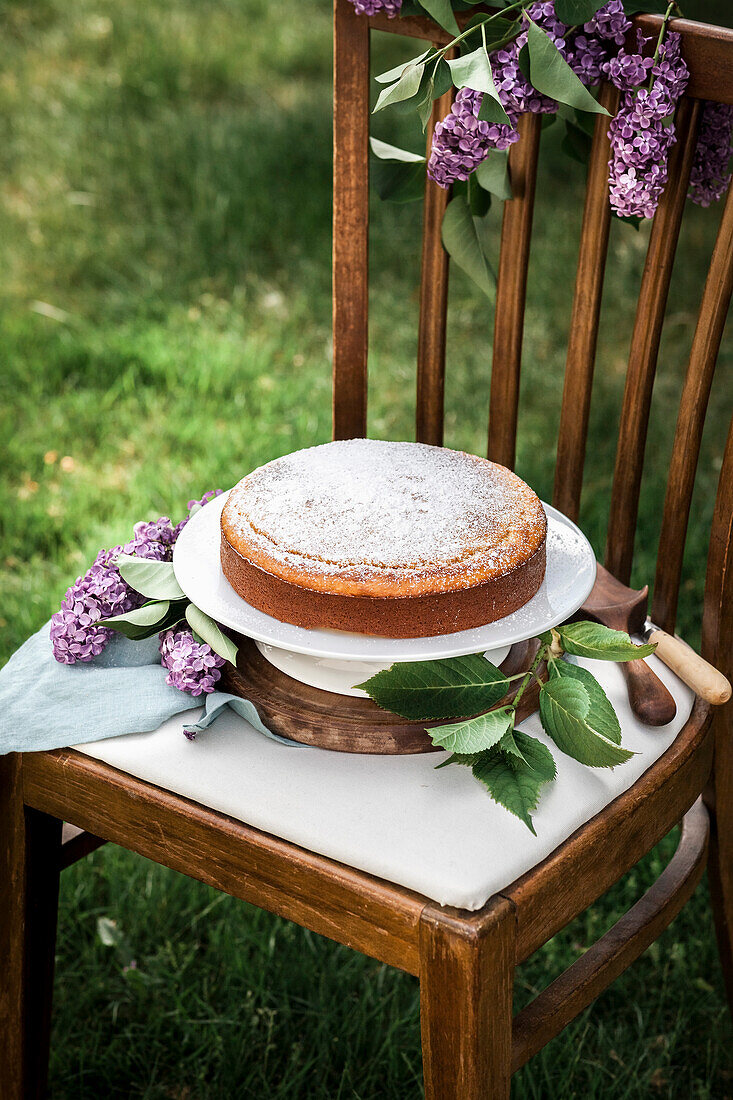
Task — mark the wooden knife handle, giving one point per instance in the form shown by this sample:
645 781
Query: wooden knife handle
702 677
649 699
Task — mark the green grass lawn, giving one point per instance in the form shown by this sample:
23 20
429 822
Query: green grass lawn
165 211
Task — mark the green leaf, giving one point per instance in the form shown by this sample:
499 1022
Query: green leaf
442 79
397 182
442 12
509 745
155 579
564 708
425 104
385 151
493 174
461 241
478 200
398 175
537 756
631 7
431 690
143 622
512 784
473 70
405 88
394 74
586 639
211 633
573 12
477 30
601 716
551 74
479 733
576 143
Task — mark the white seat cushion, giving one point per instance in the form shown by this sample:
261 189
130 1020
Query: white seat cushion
436 832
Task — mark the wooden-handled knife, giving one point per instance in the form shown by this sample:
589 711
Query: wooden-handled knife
622 608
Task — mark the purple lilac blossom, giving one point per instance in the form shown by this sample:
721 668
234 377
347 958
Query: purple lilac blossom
461 142
192 666
374 7
641 134
710 176
102 593
610 22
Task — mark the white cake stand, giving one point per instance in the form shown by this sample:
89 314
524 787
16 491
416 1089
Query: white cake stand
335 660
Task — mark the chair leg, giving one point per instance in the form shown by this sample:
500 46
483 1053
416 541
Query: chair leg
30 847
466 984
720 861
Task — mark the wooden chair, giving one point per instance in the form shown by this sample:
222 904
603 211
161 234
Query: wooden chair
465 960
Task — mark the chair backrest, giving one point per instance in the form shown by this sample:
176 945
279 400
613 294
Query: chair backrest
708 52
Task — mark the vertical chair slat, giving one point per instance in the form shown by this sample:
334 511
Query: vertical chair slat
645 347
350 220
690 421
583 334
511 290
433 302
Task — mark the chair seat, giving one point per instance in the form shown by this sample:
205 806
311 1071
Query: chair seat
436 832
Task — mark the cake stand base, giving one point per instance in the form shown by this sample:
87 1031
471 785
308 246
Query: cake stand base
345 723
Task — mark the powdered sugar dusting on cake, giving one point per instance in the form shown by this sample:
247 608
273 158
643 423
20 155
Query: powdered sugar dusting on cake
364 505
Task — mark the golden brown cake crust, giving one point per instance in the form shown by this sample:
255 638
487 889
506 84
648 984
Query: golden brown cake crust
397 539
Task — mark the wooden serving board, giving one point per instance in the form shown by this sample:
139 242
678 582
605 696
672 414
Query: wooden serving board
345 723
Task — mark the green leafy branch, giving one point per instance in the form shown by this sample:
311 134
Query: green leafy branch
399 175
574 710
167 606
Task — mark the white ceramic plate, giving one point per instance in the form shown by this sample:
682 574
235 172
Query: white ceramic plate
570 575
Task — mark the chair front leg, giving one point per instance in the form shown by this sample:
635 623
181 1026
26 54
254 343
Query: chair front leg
30 848
466 985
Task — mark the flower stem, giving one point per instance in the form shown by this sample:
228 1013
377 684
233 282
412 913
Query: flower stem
539 656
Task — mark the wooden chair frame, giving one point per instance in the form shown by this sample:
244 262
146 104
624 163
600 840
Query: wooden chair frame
464 960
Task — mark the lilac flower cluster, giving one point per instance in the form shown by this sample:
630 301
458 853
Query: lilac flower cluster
642 134
373 7
710 174
102 593
192 666
461 142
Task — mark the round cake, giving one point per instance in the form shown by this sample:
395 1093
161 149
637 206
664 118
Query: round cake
403 540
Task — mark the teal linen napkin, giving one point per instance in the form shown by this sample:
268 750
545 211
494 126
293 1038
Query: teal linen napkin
47 705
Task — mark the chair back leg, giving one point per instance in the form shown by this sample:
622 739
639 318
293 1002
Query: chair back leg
30 849
466 986
719 798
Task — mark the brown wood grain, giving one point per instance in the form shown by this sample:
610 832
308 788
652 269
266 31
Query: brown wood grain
570 879
466 983
29 876
345 723
12 884
645 347
511 293
614 952
691 421
433 301
336 901
350 221
583 335
717 646
706 49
